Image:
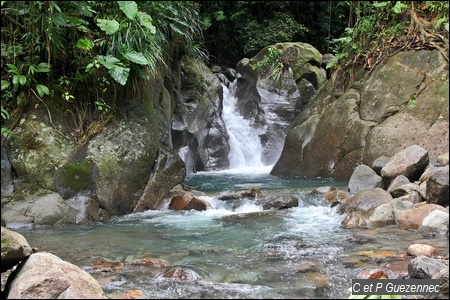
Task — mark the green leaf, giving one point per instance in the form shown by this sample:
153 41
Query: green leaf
5 114
108 61
136 57
219 16
120 74
22 80
206 21
13 69
76 21
42 90
116 68
108 26
85 44
6 132
31 69
380 4
129 8
20 98
43 67
399 7
5 84
15 79
146 21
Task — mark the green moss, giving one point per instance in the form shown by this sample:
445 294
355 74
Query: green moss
78 176
8 245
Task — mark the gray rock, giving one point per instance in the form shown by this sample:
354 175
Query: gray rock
424 267
165 176
435 223
442 160
405 189
385 214
410 162
443 285
365 201
51 209
379 163
437 190
370 119
364 178
398 181
15 248
280 202
7 182
46 276
360 207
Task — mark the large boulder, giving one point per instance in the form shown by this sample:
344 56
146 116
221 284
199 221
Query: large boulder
390 109
435 223
198 130
423 267
15 248
413 218
38 151
46 276
437 186
364 178
169 171
360 207
42 207
410 162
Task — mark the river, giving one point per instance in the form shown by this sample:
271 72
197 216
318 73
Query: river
236 249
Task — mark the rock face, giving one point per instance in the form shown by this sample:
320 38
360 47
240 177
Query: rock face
394 107
7 184
272 105
198 131
168 171
131 165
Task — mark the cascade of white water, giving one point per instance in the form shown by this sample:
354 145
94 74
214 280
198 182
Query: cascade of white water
245 144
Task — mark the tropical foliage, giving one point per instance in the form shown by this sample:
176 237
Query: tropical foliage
79 56
237 29
385 28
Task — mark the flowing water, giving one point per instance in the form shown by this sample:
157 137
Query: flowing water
234 249
245 145
237 249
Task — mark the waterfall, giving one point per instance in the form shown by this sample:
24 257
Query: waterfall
245 144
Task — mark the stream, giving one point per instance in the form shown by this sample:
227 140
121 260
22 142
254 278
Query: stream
238 250
234 249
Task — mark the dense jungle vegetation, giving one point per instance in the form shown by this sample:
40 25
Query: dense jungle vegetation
85 57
